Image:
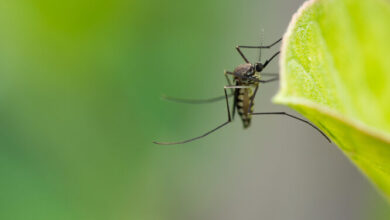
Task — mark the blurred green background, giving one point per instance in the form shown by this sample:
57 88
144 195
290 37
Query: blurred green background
80 105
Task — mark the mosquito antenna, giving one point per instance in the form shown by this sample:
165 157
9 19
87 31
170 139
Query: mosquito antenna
261 42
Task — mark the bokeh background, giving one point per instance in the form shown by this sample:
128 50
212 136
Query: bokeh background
80 88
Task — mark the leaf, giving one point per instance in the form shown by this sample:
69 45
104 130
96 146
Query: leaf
335 70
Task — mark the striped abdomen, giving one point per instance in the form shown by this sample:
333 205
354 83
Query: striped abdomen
243 104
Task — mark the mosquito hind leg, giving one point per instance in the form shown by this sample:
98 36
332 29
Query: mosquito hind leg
200 101
295 117
195 101
207 133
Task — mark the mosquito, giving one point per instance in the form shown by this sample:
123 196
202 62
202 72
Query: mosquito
246 80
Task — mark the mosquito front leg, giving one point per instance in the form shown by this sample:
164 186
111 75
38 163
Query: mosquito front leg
261 47
238 48
242 54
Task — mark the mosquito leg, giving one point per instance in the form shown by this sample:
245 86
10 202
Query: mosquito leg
276 77
253 98
269 80
230 73
270 74
295 117
247 61
235 97
234 103
195 101
207 133
229 82
261 47
233 92
255 47
201 101
227 78
242 55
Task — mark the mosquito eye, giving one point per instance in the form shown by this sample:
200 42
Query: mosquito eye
259 67
250 71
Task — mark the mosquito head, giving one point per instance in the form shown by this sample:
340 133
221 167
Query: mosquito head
259 67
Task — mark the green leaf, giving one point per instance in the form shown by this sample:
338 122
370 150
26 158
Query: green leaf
335 70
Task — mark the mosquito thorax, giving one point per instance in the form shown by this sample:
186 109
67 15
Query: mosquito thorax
245 70
246 74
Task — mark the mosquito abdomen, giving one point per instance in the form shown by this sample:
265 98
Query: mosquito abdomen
244 107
